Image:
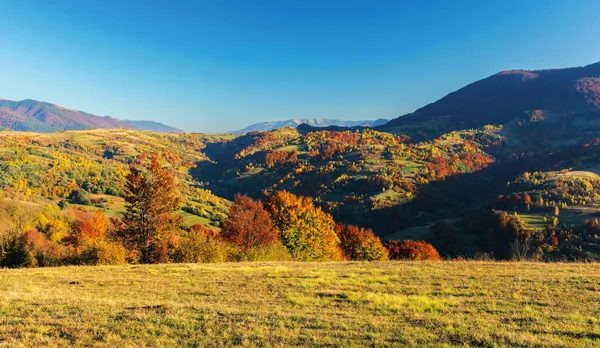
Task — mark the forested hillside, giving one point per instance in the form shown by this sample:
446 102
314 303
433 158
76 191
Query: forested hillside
567 96
48 168
523 186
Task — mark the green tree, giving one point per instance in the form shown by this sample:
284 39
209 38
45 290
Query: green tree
81 197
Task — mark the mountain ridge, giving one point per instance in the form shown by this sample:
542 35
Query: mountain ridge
38 116
511 94
315 122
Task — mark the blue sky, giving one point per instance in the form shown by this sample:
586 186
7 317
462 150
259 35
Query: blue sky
220 65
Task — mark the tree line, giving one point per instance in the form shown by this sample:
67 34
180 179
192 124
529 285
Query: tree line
282 227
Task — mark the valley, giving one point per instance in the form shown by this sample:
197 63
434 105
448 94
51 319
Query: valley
299 173
416 178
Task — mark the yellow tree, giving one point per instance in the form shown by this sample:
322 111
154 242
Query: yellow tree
307 231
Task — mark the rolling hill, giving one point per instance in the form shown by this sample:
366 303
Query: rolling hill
35 116
434 175
315 122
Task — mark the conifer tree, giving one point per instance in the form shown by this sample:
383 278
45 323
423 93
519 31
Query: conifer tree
152 199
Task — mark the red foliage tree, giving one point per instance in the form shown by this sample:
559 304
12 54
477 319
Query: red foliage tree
248 224
273 158
412 250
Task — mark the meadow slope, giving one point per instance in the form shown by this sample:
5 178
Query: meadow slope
283 304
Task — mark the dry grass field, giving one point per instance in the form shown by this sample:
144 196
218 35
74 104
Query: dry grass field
303 304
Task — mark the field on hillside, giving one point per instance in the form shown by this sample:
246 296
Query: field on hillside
283 304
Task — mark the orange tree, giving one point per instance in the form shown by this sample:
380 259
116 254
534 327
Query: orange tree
307 231
248 224
152 199
88 227
360 244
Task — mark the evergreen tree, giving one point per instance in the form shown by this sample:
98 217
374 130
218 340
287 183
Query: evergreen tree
152 199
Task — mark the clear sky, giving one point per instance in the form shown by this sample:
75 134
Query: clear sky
220 65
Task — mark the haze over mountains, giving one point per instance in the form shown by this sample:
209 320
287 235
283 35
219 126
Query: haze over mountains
315 122
35 116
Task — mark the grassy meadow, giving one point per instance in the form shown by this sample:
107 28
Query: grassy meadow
283 304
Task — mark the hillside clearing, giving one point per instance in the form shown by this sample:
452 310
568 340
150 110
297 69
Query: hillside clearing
282 304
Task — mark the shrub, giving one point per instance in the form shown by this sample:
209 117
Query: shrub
102 252
200 248
412 250
248 225
62 204
360 244
14 251
48 253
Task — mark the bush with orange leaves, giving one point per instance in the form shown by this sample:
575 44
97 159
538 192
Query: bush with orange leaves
360 244
416 250
307 231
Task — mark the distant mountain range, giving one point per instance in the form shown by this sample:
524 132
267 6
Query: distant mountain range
35 116
315 122
514 95
152 126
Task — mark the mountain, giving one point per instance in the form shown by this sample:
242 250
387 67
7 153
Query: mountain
315 122
514 95
35 116
153 126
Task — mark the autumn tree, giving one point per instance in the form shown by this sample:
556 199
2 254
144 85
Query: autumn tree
360 244
416 250
198 228
89 227
152 199
248 224
307 231
526 198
